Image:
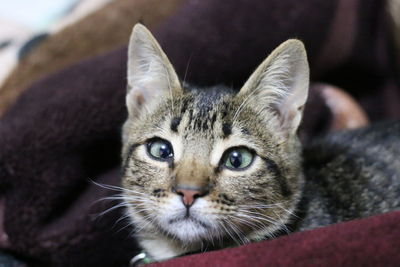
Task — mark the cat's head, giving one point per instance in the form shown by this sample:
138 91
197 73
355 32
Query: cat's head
212 164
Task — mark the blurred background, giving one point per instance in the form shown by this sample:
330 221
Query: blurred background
24 21
63 84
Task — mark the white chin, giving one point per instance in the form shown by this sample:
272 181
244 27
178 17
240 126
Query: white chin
188 230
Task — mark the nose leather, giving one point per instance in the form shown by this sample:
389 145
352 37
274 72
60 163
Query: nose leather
188 196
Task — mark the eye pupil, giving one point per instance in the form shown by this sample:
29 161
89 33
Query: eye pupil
165 151
235 159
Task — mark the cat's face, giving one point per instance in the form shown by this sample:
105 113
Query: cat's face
211 164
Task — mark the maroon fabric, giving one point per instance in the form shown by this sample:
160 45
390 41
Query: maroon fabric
368 242
61 134
212 41
65 129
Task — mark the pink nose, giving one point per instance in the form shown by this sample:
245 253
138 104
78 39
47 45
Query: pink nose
188 196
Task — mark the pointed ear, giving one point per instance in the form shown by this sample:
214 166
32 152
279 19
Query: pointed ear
280 85
151 76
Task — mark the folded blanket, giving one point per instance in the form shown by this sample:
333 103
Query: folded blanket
83 40
60 135
348 43
369 242
64 131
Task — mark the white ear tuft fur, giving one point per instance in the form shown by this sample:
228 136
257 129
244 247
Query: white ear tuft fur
280 85
150 74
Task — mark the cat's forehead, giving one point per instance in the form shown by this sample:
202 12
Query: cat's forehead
200 118
203 111
210 113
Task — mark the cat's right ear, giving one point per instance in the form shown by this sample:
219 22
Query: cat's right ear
151 77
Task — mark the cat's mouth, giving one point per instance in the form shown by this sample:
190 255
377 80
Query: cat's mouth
189 219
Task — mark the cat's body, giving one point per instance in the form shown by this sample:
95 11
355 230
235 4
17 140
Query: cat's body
211 168
351 174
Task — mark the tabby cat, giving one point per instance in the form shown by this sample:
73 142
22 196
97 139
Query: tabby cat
206 168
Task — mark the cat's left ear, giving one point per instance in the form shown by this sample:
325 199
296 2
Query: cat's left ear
280 85
151 77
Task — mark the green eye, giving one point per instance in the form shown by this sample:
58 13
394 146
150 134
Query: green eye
238 158
160 149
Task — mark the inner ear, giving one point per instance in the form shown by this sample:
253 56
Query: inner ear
151 77
280 85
